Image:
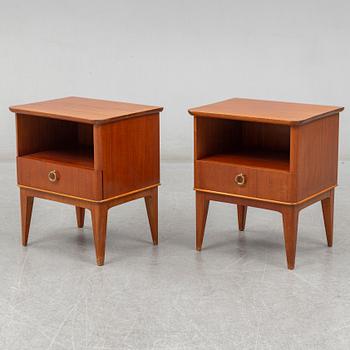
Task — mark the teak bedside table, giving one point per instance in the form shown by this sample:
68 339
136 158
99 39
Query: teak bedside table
92 154
271 155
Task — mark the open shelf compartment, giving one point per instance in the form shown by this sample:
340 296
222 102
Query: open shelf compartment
57 141
243 143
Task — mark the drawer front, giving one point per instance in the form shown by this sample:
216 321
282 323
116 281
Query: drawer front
258 182
75 181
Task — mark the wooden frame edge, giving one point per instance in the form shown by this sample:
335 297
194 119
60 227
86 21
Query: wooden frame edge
267 200
90 200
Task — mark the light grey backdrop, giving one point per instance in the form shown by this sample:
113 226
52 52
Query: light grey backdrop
177 54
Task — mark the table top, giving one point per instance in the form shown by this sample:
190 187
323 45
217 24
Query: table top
85 110
265 111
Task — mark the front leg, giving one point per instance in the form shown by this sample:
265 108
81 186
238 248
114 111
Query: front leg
26 214
99 226
202 206
290 226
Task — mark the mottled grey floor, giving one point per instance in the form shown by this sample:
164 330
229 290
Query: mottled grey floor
236 294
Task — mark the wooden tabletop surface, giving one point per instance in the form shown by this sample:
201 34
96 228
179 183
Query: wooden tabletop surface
265 111
85 110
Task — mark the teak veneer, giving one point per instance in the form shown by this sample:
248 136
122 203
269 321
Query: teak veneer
92 154
272 155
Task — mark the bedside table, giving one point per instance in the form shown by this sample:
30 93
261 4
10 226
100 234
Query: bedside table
271 155
92 154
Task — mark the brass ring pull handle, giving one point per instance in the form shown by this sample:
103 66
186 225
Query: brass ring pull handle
52 175
240 179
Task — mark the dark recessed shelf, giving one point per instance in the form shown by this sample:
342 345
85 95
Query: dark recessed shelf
252 158
80 157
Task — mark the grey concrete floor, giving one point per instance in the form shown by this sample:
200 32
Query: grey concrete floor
236 294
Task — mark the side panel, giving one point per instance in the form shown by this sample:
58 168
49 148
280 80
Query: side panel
127 152
315 155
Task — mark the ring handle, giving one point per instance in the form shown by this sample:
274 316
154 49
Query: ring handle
240 179
52 176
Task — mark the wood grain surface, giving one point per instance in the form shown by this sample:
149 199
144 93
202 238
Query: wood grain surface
263 111
85 110
127 152
272 155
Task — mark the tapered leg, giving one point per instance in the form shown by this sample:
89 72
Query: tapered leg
152 213
99 226
80 214
290 225
26 214
202 206
242 213
328 212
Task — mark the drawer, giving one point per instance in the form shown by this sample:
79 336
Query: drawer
258 182
68 179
